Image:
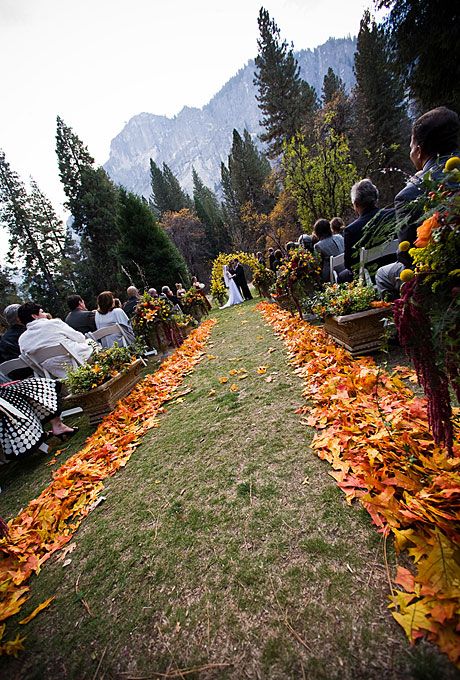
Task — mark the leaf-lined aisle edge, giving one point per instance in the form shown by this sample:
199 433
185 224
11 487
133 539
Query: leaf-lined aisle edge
374 432
50 520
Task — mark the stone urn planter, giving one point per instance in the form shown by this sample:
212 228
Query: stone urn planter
102 400
359 333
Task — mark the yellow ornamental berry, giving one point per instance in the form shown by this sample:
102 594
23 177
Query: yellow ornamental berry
406 275
404 246
452 163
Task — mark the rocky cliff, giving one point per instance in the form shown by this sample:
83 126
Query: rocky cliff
201 138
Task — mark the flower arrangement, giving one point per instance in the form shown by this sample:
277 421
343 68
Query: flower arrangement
218 289
427 315
263 279
107 364
154 321
345 298
194 303
296 279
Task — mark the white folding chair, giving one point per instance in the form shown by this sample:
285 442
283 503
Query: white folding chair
372 254
334 262
114 329
37 359
8 367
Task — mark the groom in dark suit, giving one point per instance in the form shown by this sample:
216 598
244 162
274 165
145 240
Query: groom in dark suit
240 280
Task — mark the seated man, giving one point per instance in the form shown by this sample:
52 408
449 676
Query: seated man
9 342
133 299
435 137
79 318
43 332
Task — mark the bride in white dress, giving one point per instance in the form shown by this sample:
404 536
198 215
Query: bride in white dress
234 297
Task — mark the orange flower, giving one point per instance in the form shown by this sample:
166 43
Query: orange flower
424 231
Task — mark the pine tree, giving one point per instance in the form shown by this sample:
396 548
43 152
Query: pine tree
167 194
285 100
231 210
93 202
424 35
27 240
381 129
209 212
332 86
188 234
8 289
145 247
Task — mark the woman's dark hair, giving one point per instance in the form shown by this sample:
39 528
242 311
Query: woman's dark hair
436 132
322 229
278 254
73 301
105 302
26 310
337 224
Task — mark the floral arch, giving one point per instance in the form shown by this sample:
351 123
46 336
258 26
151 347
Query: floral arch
218 290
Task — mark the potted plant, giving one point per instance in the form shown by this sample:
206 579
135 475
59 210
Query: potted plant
296 280
353 316
154 321
99 384
263 279
193 304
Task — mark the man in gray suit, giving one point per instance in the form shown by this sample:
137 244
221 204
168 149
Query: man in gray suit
79 318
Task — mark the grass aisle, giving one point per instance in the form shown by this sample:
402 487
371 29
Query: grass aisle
224 546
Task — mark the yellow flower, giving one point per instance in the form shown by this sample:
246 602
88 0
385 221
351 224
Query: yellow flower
404 246
452 163
406 275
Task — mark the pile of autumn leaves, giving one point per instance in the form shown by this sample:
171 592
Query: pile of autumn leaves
374 432
50 520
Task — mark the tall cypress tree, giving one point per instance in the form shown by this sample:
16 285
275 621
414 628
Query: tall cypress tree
249 170
146 247
93 202
167 194
209 212
285 100
333 85
381 130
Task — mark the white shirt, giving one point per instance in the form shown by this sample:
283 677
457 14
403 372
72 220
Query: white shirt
46 332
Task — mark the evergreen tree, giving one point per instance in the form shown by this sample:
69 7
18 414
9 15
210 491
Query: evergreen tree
189 236
231 210
209 212
333 85
145 247
285 100
167 194
93 202
8 289
28 240
381 129
424 35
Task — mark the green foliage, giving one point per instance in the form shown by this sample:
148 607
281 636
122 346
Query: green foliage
332 85
424 38
340 299
320 176
209 212
107 364
381 126
8 291
147 246
286 101
167 195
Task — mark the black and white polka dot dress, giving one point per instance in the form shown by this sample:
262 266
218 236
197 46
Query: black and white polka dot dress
24 407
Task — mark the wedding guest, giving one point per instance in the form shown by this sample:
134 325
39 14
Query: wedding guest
152 292
106 315
133 299
43 332
328 244
337 226
117 303
271 259
169 295
199 287
260 259
306 241
180 291
9 342
435 137
277 261
79 318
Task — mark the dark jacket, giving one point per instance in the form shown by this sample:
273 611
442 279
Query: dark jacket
130 306
353 233
356 232
81 320
9 342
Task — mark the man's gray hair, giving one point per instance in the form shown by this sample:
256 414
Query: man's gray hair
11 314
132 291
365 194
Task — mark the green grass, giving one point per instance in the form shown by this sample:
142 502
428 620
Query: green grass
223 541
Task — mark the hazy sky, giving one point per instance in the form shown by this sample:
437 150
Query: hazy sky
97 63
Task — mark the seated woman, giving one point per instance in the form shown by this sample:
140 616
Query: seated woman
43 332
106 315
328 244
24 408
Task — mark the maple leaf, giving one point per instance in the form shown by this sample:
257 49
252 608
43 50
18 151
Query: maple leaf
223 379
12 647
441 569
414 617
405 579
234 387
37 610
